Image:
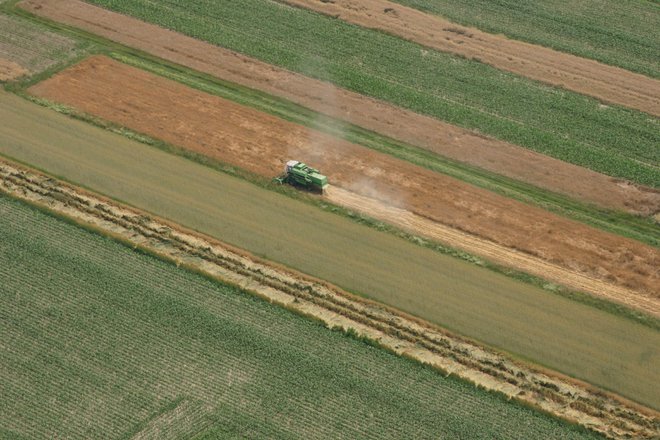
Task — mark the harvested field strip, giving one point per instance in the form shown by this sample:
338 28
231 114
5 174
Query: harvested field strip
615 141
599 347
605 83
423 131
622 34
32 47
107 328
260 143
452 354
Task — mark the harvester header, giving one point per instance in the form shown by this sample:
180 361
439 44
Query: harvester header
298 174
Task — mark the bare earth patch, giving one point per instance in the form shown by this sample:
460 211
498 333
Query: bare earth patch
556 394
425 132
604 82
261 143
10 70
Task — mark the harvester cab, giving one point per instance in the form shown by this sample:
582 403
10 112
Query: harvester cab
298 174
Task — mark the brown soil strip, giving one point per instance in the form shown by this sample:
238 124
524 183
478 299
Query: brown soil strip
261 143
604 82
551 392
422 131
10 70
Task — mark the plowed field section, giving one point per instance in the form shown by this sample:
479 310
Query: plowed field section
606 83
581 341
379 116
262 143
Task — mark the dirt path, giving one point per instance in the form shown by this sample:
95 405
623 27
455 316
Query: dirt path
549 391
421 226
604 82
422 131
261 143
10 70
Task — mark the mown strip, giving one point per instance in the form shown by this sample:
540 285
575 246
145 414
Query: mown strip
237 91
607 84
564 125
424 131
607 350
622 34
580 297
383 327
105 326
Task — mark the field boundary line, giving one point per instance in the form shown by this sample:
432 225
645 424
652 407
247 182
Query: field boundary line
552 393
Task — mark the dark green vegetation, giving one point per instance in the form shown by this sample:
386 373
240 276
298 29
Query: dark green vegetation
602 348
105 342
623 34
613 140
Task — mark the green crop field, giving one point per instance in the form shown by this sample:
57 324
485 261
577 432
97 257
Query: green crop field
103 342
594 345
562 124
33 47
623 34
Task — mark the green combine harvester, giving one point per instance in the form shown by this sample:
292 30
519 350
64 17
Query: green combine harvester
298 174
